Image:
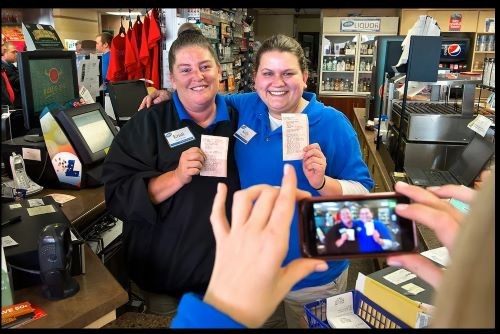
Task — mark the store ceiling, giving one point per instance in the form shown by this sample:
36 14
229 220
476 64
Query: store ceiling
261 11
289 11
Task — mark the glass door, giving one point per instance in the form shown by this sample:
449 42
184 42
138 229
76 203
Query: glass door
365 64
338 64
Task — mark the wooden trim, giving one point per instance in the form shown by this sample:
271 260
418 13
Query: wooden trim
73 18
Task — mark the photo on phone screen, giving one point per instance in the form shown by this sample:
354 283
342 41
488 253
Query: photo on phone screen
355 226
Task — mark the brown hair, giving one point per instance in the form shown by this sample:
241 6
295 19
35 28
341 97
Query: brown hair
283 43
189 38
187 26
106 37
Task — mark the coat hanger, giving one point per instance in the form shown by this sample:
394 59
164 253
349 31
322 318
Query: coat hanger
138 19
129 19
122 28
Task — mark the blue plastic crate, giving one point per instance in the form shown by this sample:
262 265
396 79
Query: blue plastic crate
371 313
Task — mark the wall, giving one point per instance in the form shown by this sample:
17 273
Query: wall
268 25
361 11
308 24
112 22
76 23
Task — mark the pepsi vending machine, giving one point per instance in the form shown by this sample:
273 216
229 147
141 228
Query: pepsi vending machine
455 54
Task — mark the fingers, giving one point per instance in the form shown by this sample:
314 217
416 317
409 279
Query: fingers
263 208
460 192
296 271
218 218
420 266
443 225
144 103
243 201
281 217
423 196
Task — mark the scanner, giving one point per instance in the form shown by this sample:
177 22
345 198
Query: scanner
54 254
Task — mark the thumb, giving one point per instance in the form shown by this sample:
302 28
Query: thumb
297 270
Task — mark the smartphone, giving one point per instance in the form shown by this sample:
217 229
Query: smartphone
354 226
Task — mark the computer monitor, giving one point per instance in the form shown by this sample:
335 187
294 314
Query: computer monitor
126 97
90 131
46 77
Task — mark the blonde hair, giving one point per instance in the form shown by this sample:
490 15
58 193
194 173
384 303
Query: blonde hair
466 297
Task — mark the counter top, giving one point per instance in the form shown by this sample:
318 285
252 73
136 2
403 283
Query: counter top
85 208
99 294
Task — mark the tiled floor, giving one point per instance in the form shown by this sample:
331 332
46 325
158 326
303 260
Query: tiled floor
141 320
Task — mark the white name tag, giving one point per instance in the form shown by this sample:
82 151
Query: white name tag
295 135
245 134
215 149
179 137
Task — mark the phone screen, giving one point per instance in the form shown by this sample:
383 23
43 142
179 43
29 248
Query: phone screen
355 226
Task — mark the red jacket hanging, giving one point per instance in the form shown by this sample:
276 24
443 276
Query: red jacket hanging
154 36
116 69
144 50
138 37
131 57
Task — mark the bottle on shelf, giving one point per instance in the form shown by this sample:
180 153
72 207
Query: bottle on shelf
334 64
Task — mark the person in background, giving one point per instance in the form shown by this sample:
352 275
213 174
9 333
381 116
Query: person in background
78 47
9 60
465 291
331 164
7 91
103 46
152 179
375 236
343 237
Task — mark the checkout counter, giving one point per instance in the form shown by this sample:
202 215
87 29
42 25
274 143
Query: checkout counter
100 293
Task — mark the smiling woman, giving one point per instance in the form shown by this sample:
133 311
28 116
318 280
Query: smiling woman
153 182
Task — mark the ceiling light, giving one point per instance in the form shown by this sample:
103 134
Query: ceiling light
124 13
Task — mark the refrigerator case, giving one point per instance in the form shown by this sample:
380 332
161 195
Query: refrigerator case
347 53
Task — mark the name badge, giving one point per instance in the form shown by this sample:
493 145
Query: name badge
179 137
245 134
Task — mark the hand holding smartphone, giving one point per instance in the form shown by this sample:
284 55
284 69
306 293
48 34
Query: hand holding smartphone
355 226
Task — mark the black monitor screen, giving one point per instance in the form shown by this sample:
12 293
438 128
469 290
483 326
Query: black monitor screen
126 97
89 129
46 77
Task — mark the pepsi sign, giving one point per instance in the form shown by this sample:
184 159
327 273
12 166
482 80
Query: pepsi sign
452 51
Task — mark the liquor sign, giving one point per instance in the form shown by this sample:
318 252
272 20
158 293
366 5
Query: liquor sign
359 24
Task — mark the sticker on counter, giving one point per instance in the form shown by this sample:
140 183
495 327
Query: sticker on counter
400 276
40 210
7 241
35 202
62 198
412 289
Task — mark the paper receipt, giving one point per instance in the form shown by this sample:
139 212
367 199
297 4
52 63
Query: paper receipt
215 149
295 135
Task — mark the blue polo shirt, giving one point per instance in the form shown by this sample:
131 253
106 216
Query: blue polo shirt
261 160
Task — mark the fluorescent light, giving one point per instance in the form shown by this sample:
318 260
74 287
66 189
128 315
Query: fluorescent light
124 13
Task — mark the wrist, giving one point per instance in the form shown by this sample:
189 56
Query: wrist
322 184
